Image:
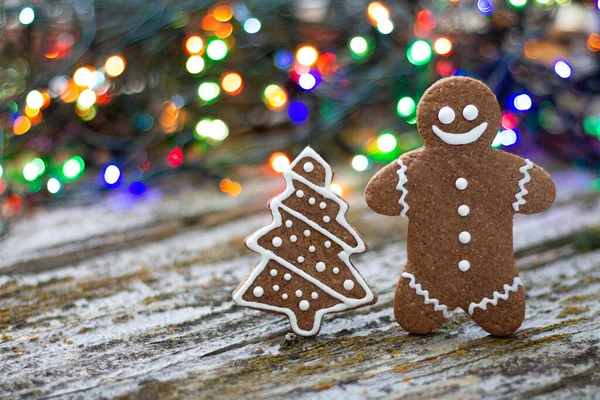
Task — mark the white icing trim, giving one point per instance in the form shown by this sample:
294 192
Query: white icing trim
402 179
437 306
497 295
460 138
276 205
524 180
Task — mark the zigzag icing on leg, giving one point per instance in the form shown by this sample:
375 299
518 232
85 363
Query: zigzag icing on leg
437 306
522 192
497 295
402 179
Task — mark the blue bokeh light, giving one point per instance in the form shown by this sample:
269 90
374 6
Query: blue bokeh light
298 111
283 59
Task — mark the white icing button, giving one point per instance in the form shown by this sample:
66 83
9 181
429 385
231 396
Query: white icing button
314 295
326 218
348 284
277 241
446 115
308 167
312 201
320 266
470 112
284 296
299 193
336 270
323 205
307 233
304 305
298 293
258 291
289 223
464 237
273 272
463 210
328 244
464 265
300 259
276 288
287 277
312 249
461 183
293 238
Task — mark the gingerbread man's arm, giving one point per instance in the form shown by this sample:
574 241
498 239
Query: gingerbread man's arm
534 190
387 192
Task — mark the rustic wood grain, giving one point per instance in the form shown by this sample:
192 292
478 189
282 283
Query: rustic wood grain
135 302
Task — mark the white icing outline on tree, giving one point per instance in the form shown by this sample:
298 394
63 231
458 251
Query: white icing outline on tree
524 180
276 205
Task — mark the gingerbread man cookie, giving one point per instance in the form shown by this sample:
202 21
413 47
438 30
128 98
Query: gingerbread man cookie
305 271
460 196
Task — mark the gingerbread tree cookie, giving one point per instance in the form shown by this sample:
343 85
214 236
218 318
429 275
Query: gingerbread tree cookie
460 196
305 271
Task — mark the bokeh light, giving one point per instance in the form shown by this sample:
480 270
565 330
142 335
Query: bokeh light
232 83
83 76
34 100
307 81
406 107
21 125
194 44
194 64
216 50
307 55
114 66
73 167
360 163
378 12
387 142
443 46
522 102
359 47
252 25
517 3
214 129
27 15
137 188
222 13
419 53
562 69
112 175
337 189
33 169
86 99
298 111
426 19
53 185
283 59
279 162
485 7
385 26
275 97
208 91
175 157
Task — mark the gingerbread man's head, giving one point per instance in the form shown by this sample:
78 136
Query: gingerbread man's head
458 112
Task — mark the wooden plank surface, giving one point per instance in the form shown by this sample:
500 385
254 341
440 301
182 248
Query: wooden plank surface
134 301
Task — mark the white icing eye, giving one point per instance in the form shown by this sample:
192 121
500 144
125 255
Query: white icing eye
446 115
470 112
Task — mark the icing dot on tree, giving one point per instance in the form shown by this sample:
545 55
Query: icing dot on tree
258 291
298 293
308 167
293 238
312 201
323 205
348 284
304 305
320 266
299 193
307 233
327 244
336 270
326 218
277 241
312 249
273 272
289 223
284 296
276 288
314 295
287 277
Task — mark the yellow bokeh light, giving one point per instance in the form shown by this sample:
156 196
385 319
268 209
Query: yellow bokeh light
83 76
34 100
222 13
378 12
307 55
114 66
232 83
442 46
194 44
86 99
31 112
194 64
275 97
279 162
337 189
21 125
70 93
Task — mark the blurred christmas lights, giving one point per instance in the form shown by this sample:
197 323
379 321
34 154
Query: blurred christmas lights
252 26
419 53
27 15
275 97
114 66
194 44
194 64
279 162
360 163
359 47
232 83
406 107
298 111
562 69
112 175
208 91
216 50
307 55
387 142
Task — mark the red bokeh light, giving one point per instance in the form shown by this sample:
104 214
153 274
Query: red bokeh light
175 157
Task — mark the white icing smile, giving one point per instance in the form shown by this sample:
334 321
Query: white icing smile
460 138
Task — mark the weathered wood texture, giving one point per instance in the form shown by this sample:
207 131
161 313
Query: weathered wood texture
135 301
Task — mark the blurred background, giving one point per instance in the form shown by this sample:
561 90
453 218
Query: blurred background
136 97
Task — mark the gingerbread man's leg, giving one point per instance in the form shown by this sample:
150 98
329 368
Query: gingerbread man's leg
503 318
415 310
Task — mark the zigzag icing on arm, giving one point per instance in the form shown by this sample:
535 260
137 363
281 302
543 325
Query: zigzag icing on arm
522 192
437 306
497 295
402 179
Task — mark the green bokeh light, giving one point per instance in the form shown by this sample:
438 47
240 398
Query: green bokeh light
419 53
406 107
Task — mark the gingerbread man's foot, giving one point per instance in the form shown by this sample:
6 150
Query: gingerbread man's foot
416 312
504 318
